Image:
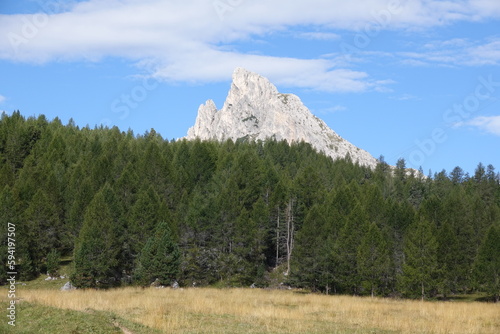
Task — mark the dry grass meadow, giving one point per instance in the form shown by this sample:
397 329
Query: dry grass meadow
210 310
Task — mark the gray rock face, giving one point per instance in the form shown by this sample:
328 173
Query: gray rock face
255 110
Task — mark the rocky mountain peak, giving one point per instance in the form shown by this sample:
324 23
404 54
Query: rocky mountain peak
249 83
255 110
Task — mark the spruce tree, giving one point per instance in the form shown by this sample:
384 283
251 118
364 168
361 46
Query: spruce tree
457 242
420 267
144 215
98 247
127 185
346 249
249 244
160 257
487 265
201 162
82 198
457 175
7 176
448 259
153 166
373 259
42 228
52 263
308 255
7 215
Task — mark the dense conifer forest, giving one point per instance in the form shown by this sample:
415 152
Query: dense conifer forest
130 209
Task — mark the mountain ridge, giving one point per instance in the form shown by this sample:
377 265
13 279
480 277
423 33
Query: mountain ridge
254 109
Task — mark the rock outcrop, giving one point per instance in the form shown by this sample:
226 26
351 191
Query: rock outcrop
68 287
255 110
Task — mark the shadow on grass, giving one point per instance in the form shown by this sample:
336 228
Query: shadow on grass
481 298
65 262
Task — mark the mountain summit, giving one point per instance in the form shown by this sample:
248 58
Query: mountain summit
255 110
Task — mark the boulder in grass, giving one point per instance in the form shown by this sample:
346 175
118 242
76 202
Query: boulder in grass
68 287
156 283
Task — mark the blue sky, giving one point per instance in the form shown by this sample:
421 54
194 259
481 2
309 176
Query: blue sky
400 78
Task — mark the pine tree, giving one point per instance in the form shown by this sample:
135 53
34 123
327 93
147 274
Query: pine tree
457 243
250 243
19 138
420 267
448 259
97 249
144 215
457 175
373 259
200 251
127 185
479 173
247 173
400 178
309 189
153 166
52 263
160 257
487 265
42 228
7 215
308 255
82 198
201 161
347 249
7 176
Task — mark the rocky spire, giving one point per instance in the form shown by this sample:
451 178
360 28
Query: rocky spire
255 110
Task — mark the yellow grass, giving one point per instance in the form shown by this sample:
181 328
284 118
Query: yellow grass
205 310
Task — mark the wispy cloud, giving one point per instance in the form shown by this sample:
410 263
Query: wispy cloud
490 124
405 97
486 54
2 99
454 42
455 52
192 40
325 36
332 110
213 65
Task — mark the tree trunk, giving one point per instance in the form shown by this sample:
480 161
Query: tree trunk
289 234
278 238
423 290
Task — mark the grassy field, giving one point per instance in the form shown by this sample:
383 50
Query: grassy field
208 310
36 318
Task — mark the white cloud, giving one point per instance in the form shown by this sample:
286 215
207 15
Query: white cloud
332 110
486 54
455 52
405 97
490 124
414 62
181 41
2 99
213 65
325 36
193 40
486 7
454 42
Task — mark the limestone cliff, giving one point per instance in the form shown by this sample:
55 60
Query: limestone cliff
255 110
